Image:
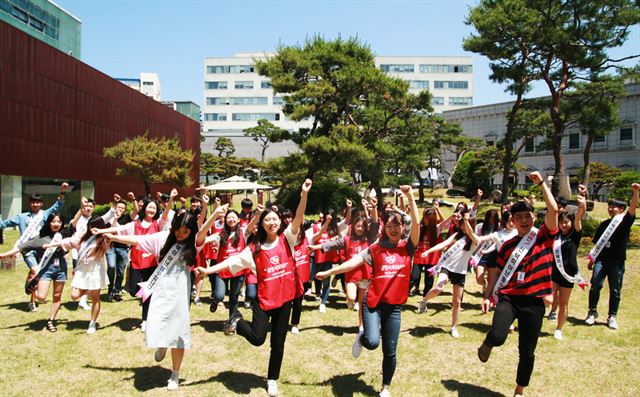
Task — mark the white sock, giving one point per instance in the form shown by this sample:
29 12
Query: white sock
361 328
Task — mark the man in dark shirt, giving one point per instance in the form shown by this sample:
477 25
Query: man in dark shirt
610 261
118 256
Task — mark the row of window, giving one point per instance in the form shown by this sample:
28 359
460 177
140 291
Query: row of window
258 100
625 138
33 15
410 68
242 116
226 69
238 85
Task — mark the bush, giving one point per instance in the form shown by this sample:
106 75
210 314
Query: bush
622 185
325 194
589 226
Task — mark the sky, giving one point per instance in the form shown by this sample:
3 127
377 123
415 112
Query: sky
173 37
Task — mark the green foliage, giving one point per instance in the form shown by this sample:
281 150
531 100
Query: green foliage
326 193
476 170
622 185
225 147
266 133
153 160
601 175
225 167
589 226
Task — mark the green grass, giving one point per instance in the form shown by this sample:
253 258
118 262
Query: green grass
317 362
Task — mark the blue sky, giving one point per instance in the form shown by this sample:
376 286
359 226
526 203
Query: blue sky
172 37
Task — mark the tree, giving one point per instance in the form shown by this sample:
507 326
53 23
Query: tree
602 175
566 41
622 185
225 167
265 133
225 147
153 160
476 170
459 146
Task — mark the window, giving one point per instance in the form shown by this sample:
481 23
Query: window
437 100
264 84
397 68
451 84
491 143
147 83
215 117
241 69
243 85
217 101
599 140
278 100
419 84
215 85
529 146
574 140
217 69
255 116
446 68
626 135
249 100
454 100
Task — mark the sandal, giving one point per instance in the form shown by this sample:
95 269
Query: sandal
51 326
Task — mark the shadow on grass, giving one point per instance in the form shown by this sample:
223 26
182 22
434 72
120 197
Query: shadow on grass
477 294
346 385
580 322
335 330
469 390
421 332
36 325
144 378
20 306
235 382
126 324
480 327
211 325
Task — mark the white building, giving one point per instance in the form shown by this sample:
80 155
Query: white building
236 96
621 148
148 84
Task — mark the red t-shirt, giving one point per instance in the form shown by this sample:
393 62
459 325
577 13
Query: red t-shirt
141 259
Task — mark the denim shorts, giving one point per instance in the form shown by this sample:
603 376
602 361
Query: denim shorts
56 272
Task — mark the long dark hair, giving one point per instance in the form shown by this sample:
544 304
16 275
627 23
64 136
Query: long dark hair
562 215
46 228
491 222
365 229
431 228
143 211
261 235
459 229
190 221
97 222
226 232
332 229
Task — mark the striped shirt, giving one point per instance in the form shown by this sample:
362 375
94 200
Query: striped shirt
537 265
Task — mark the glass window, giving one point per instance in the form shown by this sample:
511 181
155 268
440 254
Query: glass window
249 100
278 100
397 68
255 116
626 135
490 143
454 100
529 146
264 84
574 141
451 84
437 100
218 69
446 68
215 85
243 85
419 84
215 117
217 101
241 69
599 139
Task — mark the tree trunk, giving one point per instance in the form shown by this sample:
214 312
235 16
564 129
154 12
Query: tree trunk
421 188
587 159
453 171
509 160
147 188
264 149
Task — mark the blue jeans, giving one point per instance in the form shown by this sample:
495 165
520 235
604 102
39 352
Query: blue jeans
116 264
382 321
30 259
614 272
235 286
251 293
325 283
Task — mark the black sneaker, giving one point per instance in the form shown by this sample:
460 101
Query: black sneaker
230 326
214 306
484 352
117 297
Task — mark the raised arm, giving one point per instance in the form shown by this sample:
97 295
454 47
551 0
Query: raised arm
347 212
302 206
374 210
254 220
633 205
365 208
476 203
469 230
136 208
436 207
551 219
204 229
415 221
203 210
168 208
582 207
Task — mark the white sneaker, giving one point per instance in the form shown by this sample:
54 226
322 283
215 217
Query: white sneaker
322 308
422 307
356 307
591 317
612 323
295 330
92 327
558 334
33 307
173 382
385 392
82 303
160 353
356 348
454 332
272 387
143 326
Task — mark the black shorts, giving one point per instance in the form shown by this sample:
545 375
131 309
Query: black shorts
454 278
559 279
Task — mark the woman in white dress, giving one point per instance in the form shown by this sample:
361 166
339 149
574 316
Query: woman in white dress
168 324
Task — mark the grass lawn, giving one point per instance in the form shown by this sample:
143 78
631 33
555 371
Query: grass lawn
114 361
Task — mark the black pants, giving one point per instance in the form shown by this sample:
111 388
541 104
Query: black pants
137 276
416 272
296 310
256 333
529 311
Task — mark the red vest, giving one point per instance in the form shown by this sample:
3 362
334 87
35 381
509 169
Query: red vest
391 274
276 271
326 257
228 251
432 258
303 265
353 248
141 259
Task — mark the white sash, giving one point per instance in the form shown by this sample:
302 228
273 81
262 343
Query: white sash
84 250
477 253
448 256
46 257
557 255
31 230
604 239
516 257
174 255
